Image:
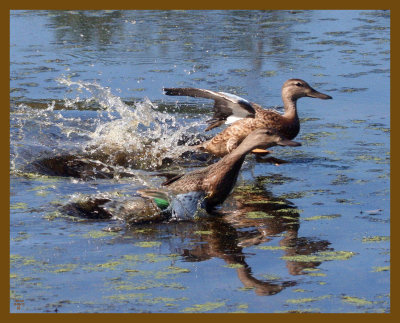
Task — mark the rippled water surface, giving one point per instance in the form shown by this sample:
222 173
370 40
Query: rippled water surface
89 121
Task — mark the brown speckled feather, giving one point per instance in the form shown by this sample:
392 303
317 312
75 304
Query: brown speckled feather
227 105
218 180
231 137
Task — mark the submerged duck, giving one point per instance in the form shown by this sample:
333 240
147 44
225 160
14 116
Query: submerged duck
214 183
247 116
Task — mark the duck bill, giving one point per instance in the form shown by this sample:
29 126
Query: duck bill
315 94
287 142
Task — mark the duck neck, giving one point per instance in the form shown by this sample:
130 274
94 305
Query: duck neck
235 159
290 106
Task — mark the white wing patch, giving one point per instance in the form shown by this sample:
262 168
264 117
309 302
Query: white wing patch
232 119
233 97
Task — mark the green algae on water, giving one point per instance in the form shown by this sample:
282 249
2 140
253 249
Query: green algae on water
375 239
380 269
147 244
356 301
201 308
234 266
321 256
18 206
322 217
258 215
306 299
94 234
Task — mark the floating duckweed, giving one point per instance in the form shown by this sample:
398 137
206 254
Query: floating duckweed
171 270
271 247
203 232
22 236
294 195
356 301
322 217
98 234
270 277
375 239
316 274
299 290
306 300
234 266
146 230
131 257
18 206
126 297
24 261
310 269
289 210
12 276
177 270
206 307
306 310
147 244
65 268
258 215
321 256
380 269
109 265
341 179
149 284
152 257
369 157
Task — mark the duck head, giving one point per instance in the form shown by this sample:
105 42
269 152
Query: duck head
265 138
295 88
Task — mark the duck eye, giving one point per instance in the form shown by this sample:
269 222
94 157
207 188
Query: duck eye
299 84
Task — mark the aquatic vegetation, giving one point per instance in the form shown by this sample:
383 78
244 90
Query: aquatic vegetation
271 247
322 217
321 256
375 239
21 236
147 244
94 234
94 124
64 268
307 299
234 266
201 308
356 301
258 215
18 206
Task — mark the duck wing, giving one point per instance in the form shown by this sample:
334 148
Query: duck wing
171 180
225 104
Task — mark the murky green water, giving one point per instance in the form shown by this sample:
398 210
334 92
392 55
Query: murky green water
311 235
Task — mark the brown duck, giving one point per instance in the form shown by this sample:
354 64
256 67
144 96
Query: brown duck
248 116
217 180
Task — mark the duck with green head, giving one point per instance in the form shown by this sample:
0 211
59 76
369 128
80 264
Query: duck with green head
212 185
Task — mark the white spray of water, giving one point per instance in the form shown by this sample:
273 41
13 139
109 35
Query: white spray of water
140 134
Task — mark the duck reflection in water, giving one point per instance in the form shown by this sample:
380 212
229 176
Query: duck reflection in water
252 217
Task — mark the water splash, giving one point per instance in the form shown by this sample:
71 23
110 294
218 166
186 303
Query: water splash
138 136
114 133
